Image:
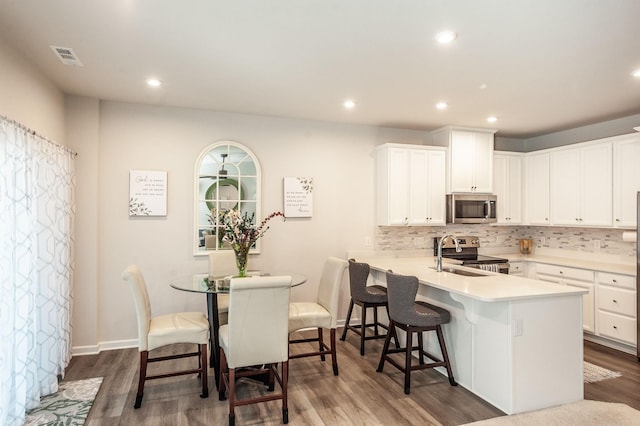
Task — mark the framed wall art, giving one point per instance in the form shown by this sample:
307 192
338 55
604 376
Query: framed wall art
298 196
147 193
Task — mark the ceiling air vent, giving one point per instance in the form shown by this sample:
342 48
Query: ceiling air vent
66 55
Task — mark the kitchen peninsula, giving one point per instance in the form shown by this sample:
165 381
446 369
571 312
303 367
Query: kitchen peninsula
515 342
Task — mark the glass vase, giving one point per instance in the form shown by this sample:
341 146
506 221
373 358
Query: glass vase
242 256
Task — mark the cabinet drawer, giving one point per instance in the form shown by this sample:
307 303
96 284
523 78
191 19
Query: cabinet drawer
620 301
563 271
617 280
617 327
516 268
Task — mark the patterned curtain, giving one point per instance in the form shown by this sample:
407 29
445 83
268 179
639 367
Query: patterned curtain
36 265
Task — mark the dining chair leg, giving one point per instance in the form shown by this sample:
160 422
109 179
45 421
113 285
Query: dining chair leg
285 384
321 343
232 396
144 356
203 371
271 385
222 388
346 323
334 358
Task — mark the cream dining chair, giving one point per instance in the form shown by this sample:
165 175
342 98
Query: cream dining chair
221 264
321 313
155 332
256 335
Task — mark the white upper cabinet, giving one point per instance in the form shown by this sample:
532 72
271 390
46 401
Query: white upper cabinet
410 185
581 185
537 189
626 179
507 186
470 158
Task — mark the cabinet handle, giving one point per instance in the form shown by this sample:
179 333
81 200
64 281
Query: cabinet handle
615 281
617 220
615 301
615 327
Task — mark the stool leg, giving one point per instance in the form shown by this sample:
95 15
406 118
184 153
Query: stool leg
385 348
363 328
407 366
334 359
375 321
445 357
346 323
389 330
420 347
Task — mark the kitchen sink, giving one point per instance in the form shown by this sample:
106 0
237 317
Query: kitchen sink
461 272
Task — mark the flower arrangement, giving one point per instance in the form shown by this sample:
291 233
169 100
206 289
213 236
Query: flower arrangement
239 230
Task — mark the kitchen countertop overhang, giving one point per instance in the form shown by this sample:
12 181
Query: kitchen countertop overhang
491 287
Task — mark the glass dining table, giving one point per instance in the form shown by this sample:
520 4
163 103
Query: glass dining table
212 286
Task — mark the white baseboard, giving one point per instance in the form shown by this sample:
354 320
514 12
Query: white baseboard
133 343
104 346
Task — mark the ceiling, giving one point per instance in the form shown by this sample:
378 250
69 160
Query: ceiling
540 66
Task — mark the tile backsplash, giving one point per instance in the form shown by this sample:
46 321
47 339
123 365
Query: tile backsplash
588 240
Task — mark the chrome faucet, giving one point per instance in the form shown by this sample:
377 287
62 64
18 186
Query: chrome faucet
440 244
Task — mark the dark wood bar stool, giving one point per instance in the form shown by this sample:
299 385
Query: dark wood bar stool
366 297
413 317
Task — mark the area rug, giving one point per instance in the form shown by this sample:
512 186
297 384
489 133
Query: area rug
581 413
593 373
69 406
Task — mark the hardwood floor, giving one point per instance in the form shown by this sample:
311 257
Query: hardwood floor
358 396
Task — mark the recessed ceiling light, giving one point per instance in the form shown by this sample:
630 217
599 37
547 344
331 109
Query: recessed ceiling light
154 82
446 37
442 105
492 119
636 73
349 104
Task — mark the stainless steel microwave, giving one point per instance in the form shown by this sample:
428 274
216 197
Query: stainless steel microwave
471 208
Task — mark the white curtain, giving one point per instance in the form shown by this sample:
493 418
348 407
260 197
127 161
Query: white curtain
36 264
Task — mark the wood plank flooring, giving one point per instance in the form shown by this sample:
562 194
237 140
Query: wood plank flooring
358 396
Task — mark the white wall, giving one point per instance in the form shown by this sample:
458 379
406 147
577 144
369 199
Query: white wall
138 137
28 97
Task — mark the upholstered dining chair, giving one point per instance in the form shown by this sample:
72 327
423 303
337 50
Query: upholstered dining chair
221 264
321 313
413 317
155 332
257 335
367 297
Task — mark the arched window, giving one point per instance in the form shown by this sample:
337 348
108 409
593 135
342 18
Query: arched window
227 176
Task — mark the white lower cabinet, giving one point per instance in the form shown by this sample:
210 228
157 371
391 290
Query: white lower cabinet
574 277
617 307
518 268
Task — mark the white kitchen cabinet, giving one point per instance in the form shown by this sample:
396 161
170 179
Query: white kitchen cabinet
537 189
626 179
507 186
470 165
617 307
410 185
581 186
518 269
574 277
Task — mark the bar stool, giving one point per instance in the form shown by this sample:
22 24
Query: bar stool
413 317
366 297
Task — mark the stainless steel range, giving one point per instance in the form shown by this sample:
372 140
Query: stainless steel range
469 255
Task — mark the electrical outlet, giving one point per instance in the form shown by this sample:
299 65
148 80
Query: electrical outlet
596 244
543 241
367 241
418 241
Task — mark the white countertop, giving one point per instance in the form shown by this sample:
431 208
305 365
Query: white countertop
595 263
491 287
